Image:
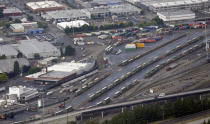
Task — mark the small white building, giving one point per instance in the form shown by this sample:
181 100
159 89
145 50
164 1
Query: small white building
71 24
22 92
176 15
17 28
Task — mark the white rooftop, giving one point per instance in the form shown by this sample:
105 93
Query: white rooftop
43 4
61 67
176 3
77 23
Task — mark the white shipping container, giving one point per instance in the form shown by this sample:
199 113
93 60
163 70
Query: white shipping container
130 46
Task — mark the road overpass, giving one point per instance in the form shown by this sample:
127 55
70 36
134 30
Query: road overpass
121 105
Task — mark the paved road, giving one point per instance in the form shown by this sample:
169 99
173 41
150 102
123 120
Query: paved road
124 104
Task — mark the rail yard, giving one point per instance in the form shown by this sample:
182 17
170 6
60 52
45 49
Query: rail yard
85 57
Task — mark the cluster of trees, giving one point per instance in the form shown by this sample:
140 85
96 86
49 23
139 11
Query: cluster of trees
204 122
3 77
42 25
154 21
1 13
155 112
88 28
3 57
69 51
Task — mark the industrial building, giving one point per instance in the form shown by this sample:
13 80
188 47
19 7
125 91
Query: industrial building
124 9
30 48
176 15
71 24
108 11
64 71
2 7
7 65
65 15
44 6
8 51
12 11
98 3
23 93
16 28
167 5
27 28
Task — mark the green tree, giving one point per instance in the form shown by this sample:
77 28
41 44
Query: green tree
3 57
16 67
36 56
7 25
67 30
34 69
72 122
3 77
17 21
25 68
30 18
1 13
61 50
69 51
92 122
158 21
42 25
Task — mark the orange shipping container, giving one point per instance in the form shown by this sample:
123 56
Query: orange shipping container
140 45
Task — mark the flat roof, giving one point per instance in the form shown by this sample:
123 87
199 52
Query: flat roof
178 12
60 70
33 46
123 8
74 13
77 23
8 50
43 4
11 10
176 3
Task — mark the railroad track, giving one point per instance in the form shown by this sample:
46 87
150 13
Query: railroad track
132 59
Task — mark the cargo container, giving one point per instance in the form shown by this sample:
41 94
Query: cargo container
140 45
130 47
149 40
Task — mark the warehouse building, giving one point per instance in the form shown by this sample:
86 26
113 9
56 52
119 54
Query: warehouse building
23 93
98 3
176 15
7 65
98 12
71 24
2 7
8 51
12 11
167 5
108 11
65 15
64 71
44 6
27 28
124 9
31 48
